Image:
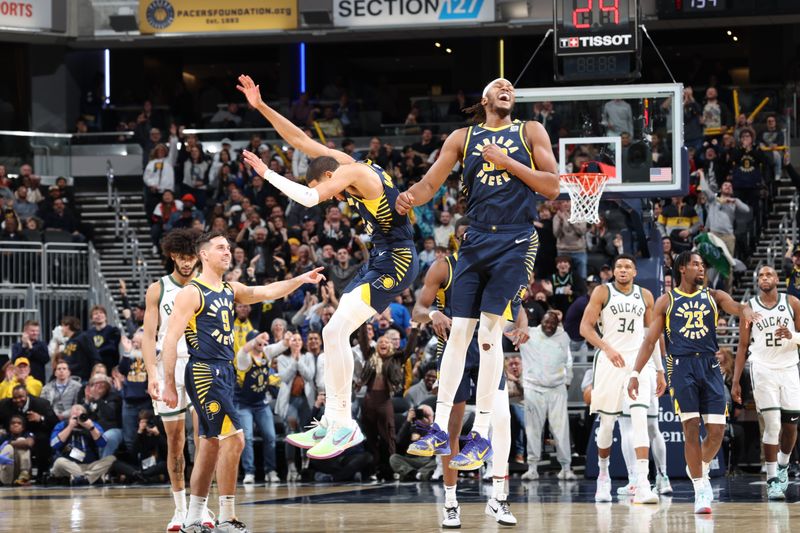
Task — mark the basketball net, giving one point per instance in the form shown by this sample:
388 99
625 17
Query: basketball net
585 190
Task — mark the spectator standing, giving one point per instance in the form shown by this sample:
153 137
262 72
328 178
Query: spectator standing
547 241
342 271
516 398
159 173
770 138
791 269
547 372
692 115
77 442
62 392
31 347
570 238
135 399
572 319
566 285
747 171
106 338
722 211
195 176
680 222
716 114
617 117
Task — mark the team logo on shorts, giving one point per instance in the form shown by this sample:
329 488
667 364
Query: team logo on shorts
385 282
160 14
212 408
520 294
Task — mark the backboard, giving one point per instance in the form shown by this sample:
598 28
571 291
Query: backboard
630 132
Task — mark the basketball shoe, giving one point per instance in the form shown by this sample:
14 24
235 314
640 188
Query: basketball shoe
662 484
473 454
500 511
435 442
451 517
197 527
176 522
775 490
338 438
645 494
603 492
702 499
231 526
311 437
783 476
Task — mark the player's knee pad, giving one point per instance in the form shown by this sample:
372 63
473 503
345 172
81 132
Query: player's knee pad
789 417
639 435
605 433
772 427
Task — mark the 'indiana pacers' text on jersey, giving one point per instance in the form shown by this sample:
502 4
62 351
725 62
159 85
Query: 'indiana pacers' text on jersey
691 323
622 319
494 195
209 334
766 347
386 226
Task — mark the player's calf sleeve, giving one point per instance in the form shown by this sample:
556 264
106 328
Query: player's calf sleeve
772 426
626 444
501 433
605 433
339 364
639 435
657 445
452 367
490 345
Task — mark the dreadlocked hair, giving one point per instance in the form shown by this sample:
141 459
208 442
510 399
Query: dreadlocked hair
683 259
477 113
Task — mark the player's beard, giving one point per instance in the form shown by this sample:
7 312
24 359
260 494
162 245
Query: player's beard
501 111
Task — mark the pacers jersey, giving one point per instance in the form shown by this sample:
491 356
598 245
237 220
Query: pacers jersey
765 348
443 299
166 302
691 323
251 385
382 222
209 333
622 319
494 195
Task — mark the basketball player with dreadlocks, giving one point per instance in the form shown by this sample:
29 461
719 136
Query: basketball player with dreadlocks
505 163
688 316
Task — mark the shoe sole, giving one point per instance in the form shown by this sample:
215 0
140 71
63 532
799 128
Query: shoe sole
777 498
473 465
174 528
647 502
703 510
429 452
602 499
451 527
302 446
665 492
339 451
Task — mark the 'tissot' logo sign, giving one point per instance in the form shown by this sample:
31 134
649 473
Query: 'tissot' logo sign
362 13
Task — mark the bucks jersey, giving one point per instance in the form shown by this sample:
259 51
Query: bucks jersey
386 226
622 319
766 348
166 303
494 195
691 324
209 333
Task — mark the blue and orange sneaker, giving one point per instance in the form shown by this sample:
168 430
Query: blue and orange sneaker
435 442
473 453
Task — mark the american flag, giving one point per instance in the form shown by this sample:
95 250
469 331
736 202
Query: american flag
661 174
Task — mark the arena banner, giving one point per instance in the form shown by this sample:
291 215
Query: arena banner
208 16
33 15
672 431
366 13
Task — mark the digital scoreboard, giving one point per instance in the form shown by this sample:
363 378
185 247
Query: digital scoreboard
596 39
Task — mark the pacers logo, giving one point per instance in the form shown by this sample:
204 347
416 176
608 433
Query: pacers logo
160 14
521 292
694 312
489 174
385 282
212 408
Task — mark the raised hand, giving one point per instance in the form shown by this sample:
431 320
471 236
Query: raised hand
313 276
255 162
250 90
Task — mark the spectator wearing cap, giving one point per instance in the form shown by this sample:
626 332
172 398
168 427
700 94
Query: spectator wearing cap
791 269
33 348
104 406
195 176
78 350
185 217
62 392
252 399
572 319
19 373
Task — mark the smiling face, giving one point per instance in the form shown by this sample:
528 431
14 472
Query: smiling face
499 99
216 254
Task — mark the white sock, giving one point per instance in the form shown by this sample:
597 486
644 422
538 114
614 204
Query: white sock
603 464
642 469
227 508
783 458
706 468
452 367
450 496
490 333
772 470
195 512
499 488
180 500
699 484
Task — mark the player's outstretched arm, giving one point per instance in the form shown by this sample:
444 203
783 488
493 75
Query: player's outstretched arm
342 178
421 192
187 302
285 128
149 339
741 356
421 313
243 294
727 304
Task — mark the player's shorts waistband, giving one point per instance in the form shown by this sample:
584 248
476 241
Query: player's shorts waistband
693 355
501 228
213 362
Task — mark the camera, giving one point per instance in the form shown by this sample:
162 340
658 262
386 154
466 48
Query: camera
83 417
419 414
151 423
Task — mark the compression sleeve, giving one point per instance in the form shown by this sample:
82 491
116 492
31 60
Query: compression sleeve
301 194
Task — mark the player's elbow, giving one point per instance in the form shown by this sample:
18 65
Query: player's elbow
552 189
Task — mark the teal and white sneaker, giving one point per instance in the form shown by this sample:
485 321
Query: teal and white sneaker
702 501
337 439
663 486
311 437
783 477
775 490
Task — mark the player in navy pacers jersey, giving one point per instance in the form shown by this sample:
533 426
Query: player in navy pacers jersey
203 313
392 266
505 162
688 315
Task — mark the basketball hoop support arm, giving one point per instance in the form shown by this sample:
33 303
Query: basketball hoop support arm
546 35
663 61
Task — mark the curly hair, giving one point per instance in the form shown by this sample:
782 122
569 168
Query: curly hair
180 241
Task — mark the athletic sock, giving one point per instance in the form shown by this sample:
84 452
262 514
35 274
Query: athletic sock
227 508
783 458
698 484
603 464
499 488
772 470
450 496
706 469
180 500
195 512
642 470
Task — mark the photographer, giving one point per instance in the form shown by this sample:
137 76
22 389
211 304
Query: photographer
104 406
410 467
77 441
149 452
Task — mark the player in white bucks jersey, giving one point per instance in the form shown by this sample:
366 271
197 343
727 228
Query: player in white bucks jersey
772 341
623 311
178 246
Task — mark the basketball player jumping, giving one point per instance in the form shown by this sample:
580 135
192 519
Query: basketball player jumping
688 315
392 266
204 312
773 342
439 287
178 246
505 163
624 311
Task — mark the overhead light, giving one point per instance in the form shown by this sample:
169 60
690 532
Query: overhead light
448 51
437 45
730 32
735 38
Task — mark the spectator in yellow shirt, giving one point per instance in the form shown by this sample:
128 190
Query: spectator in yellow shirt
21 375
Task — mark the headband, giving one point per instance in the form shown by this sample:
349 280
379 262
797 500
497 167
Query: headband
489 85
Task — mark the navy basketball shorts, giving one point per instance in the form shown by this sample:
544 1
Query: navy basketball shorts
211 388
696 384
493 269
385 276
469 379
